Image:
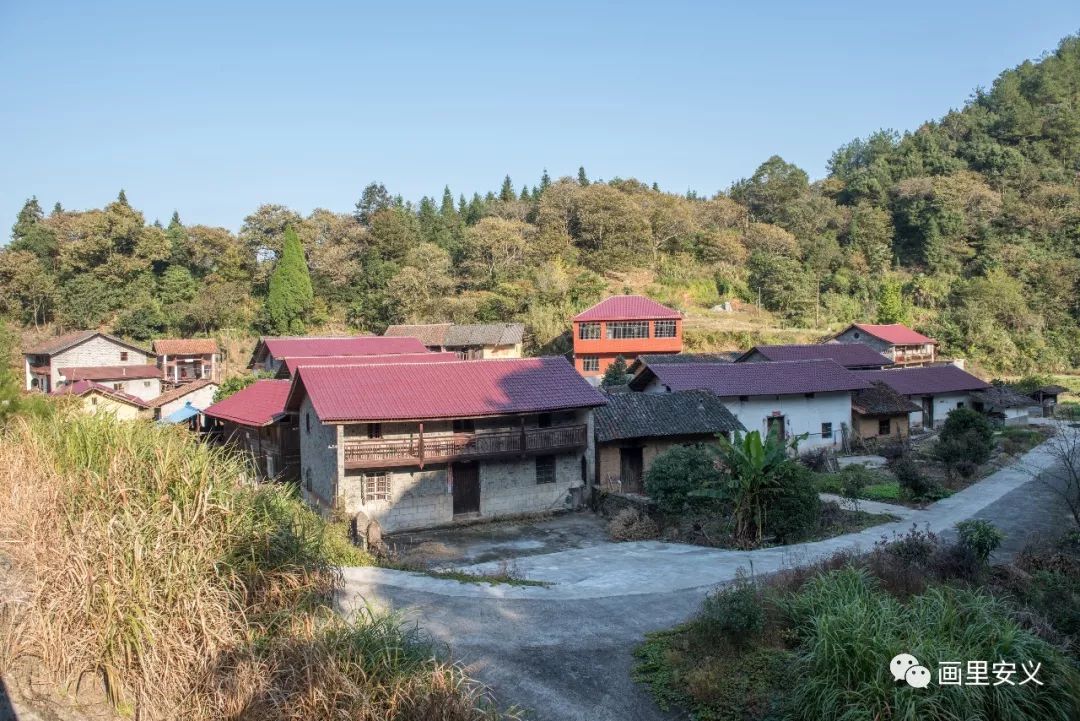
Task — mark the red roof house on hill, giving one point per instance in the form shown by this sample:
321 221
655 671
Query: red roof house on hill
418 445
254 421
626 325
270 351
903 345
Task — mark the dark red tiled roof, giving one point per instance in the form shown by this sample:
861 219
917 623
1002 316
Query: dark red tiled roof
288 368
185 346
896 333
257 405
462 389
345 345
753 379
110 373
628 307
927 380
849 355
81 388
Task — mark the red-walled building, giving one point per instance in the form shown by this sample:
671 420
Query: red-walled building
626 325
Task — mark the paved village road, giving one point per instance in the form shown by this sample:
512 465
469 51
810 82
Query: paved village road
565 651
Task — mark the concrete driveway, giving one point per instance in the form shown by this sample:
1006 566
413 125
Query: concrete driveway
565 651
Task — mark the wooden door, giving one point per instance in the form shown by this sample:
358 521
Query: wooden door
630 469
466 488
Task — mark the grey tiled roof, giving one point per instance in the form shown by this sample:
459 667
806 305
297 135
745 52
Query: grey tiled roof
881 400
484 334
644 415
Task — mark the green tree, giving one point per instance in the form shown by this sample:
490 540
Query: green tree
506 193
772 190
582 178
32 234
289 300
891 305
374 198
615 375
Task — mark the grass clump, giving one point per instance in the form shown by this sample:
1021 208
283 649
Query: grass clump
148 570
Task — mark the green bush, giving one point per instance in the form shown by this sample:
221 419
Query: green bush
734 614
795 510
679 471
966 440
980 536
910 478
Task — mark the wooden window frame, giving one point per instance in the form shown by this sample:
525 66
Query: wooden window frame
376 486
885 423
827 434
123 356
545 474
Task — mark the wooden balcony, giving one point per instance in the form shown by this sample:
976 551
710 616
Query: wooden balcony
901 356
362 453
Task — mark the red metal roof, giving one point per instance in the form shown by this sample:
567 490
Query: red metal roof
257 405
288 368
341 346
81 388
753 379
628 307
927 380
185 346
895 333
849 355
462 389
110 373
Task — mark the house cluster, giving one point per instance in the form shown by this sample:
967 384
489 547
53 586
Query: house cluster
430 425
171 382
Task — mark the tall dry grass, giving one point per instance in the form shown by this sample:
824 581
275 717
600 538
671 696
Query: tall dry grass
144 564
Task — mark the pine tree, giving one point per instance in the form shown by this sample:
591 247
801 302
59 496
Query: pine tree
447 207
506 194
582 179
462 205
28 217
615 375
57 209
524 193
545 181
121 198
289 300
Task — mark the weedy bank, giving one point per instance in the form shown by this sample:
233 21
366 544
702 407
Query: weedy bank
142 567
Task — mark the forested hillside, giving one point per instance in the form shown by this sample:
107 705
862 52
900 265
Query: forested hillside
968 228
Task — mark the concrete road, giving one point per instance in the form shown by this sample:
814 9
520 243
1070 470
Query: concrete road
565 651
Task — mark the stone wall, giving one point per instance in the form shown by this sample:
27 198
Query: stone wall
418 499
322 456
609 463
96 351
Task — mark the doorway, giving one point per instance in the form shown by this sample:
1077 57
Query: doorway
631 465
928 411
466 480
774 425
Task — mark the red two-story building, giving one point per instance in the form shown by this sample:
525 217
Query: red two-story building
627 326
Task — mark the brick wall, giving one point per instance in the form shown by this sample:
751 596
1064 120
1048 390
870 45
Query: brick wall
97 351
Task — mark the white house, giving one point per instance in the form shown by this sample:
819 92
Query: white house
791 398
199 393
937 389
43 362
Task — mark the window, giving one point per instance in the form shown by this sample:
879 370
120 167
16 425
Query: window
376 486
146 384
590 363
123 356
93 400
664 329
627 329
307 422
464 425
374 430
118 386
543 420
884 427
960 404
826 431
308 485
545 469
589 331
855 335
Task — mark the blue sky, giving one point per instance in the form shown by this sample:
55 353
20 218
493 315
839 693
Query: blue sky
215 108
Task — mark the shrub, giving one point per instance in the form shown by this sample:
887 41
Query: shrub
734 613
966 440
911 478
854 479
980 536
679 471
630 524
795 510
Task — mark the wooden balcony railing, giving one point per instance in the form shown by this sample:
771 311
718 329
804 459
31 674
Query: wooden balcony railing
420 449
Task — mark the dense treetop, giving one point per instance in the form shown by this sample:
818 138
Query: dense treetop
968 227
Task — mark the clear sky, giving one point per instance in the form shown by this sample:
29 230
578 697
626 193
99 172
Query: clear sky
214 108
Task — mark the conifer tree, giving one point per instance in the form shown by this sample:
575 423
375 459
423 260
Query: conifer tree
891 308
545 181
121 197
615 375
524 193
447 207
462 205
506 194
57 209
289 300
582 179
